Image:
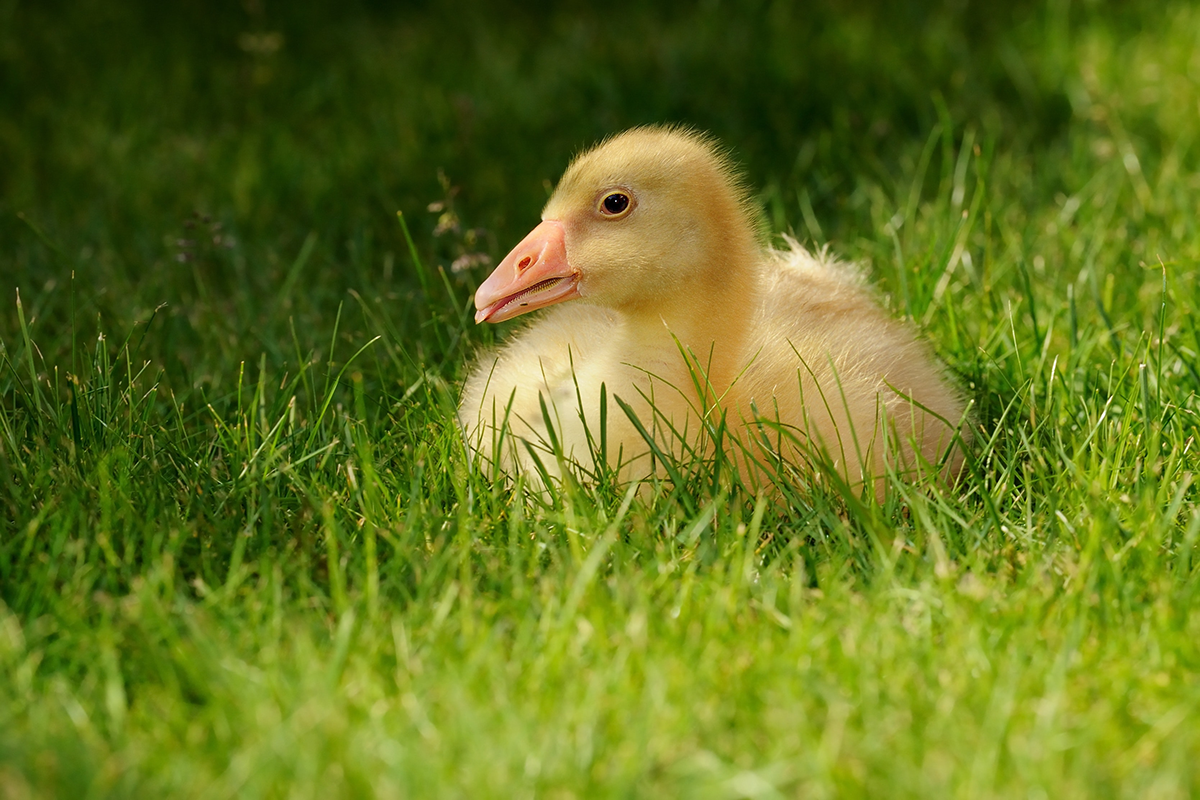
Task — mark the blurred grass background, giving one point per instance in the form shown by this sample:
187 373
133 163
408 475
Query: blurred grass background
242 554
120 121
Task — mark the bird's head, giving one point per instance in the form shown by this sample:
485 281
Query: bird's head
636 221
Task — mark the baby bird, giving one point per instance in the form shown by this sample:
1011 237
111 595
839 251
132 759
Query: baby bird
673 330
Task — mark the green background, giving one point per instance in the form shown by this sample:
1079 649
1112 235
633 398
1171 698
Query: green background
243 554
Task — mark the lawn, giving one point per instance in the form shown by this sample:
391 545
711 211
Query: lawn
244 554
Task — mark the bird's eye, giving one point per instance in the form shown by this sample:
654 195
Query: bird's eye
614 204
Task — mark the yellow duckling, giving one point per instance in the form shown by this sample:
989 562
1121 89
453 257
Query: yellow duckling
662 294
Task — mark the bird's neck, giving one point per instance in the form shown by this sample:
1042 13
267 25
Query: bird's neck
711 321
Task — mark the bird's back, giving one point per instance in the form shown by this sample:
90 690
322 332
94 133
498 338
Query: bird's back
829 370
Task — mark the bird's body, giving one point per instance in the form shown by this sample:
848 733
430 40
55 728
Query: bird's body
678 310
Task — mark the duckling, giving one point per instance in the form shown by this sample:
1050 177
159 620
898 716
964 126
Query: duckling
668 317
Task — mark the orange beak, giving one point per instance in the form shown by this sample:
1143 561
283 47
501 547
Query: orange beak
534 275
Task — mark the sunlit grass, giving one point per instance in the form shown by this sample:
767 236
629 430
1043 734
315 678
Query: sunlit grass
244 552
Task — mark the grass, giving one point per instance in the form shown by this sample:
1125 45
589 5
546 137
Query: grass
242 552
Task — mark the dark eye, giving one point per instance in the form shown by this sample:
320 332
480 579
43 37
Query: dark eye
615 203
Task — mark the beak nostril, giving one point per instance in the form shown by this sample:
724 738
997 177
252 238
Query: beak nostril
525 262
